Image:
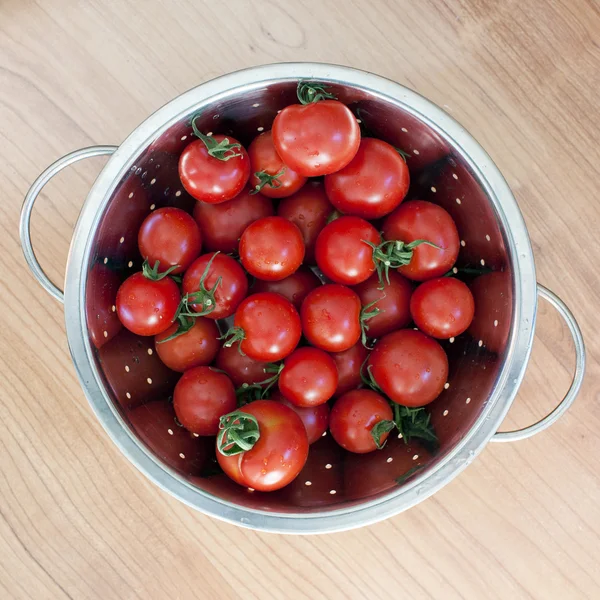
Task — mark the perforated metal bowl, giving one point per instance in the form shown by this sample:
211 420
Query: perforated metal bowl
120 371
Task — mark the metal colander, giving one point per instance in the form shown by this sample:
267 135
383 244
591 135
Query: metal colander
129 388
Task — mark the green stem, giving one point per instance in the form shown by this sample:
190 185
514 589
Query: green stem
203 297
238 432
368 312
185 323
234 335
153 274
265 179
222 150
308 93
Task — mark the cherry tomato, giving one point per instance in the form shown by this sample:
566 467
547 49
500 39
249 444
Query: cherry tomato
393 302
211 179
271 248
147 306
169 235
295 287
195 348
309 377
331 318
222 224
231 289
317 138
270 176
279 454
240 367
348 365
201 397
342 251
410 367
268 327
309 209
442 308
354 415
420 220
315 418
373 184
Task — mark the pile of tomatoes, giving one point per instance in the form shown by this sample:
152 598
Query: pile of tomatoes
320 312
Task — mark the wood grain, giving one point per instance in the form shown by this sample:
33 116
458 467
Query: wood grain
77 520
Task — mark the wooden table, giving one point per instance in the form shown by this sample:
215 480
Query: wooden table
78 520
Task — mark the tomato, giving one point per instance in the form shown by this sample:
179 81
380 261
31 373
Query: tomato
342 251
222 224
267 326
420 220
271 248
197 347
155 424
211 179
100 294
393 302
410 367
373 184
224 286
278 455
354 415
240 367
348 365
442 308
309 209
270 176
201 397
169 235
315 418
309 377
331 318
317 138
295 287
147 306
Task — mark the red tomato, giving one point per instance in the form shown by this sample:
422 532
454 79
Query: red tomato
268 327
309 209
169 235
442 308
409 367
420 220
331 318
201 397
231 289
316 139
222 224
211 179
271 248
354 415
309 377
195 348
393 302
315 418
295 287
240 368
100 294
348 365
373 184
342 251
147 306
279 454
270 176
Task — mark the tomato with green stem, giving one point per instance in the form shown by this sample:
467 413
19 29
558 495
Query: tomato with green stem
201 397
266 326
314 418
318 136
294 288
222 224
147 301
172 237
349 363
213 168
263 445
373 184
270 176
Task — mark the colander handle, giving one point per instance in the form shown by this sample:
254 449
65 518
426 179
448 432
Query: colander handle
559 411
27 208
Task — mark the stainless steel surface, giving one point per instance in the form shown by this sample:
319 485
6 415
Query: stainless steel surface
565 403
487 364
27 208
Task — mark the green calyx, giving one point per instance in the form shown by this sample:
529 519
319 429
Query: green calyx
222 150
265 179
235 335
309 93
153 274
203 297
368 312
184 324
238 432
249 392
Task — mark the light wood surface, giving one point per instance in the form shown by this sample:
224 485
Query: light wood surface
78 520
